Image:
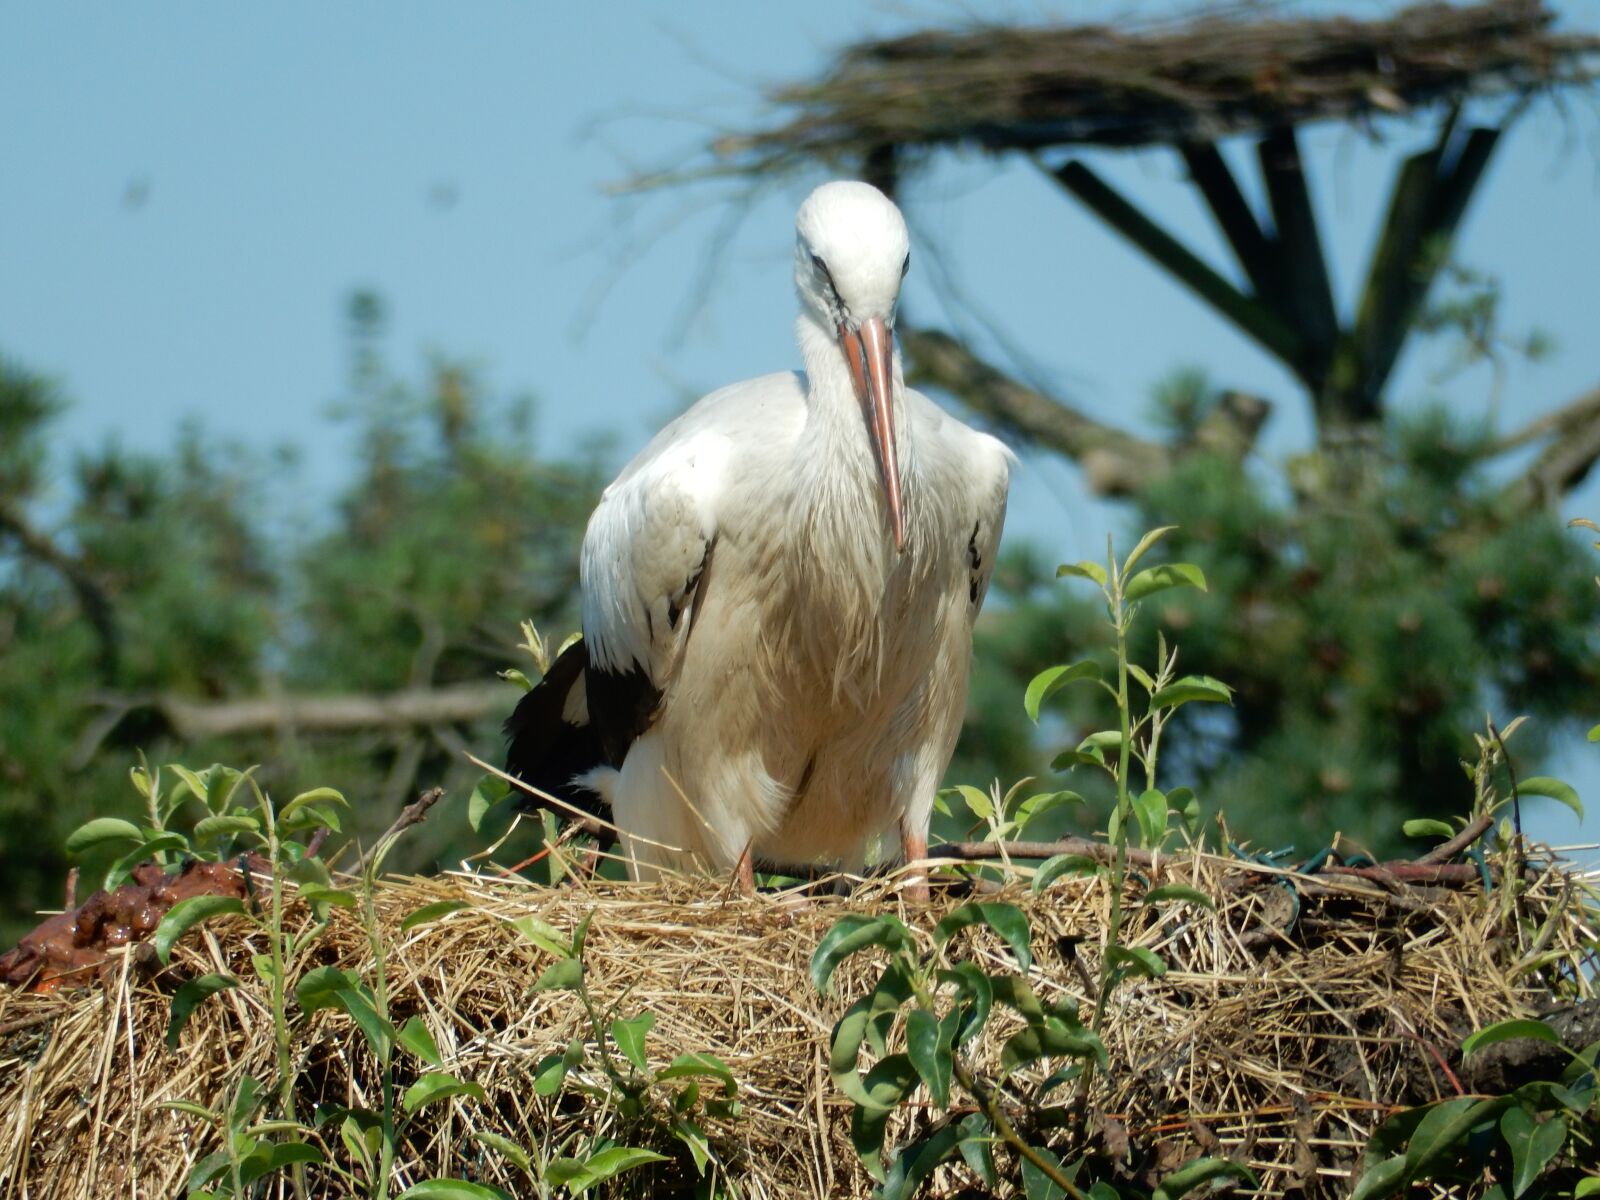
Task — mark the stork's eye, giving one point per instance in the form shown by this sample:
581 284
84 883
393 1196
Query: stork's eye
905 266
821 267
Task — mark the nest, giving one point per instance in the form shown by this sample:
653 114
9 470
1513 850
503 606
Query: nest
1292 1020
1026 88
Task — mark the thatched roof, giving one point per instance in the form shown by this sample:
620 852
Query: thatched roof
1027 88
1288 1024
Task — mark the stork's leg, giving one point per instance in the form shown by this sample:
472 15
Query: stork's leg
744 872
914 846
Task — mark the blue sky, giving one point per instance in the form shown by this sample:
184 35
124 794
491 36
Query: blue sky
188 196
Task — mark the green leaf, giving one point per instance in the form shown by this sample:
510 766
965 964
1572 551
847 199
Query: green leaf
1192 687
580 934
1158 579
99 832
1014 992
1502 1031
1148 540
414 1036
142 853
450 1189
929 1053
889 1080
549 1075
223 826
192 1109
1589 1186
1136 960
1183 801
630 1035
1062 864
315 893
486 793
274 1156
977 1147
1425 827
321 795
975 799
563 976
189 996
329 987
703 1065
543 935
214 787
845 1050
1083 570
439 1085
1594 736
1202 1170
867 1128
850 934
1007 920
1035 1183
1445 1125
1179 891
1068 759
245 1100
1383 1178
311 817
1543 785
1036 806
1150 809
1533 1144
977 992
695 1139
184 915
1104 740
917 1161
506 1148
431 912
608 1164
1051 680
1051 1037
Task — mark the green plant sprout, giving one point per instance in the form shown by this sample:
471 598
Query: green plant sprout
613 1070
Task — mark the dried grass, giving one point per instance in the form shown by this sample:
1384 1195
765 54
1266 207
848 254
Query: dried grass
1280 1045
998 87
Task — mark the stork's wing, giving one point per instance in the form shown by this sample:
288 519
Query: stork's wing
990 475
647 555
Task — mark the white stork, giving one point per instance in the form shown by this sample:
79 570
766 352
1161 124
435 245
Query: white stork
778 595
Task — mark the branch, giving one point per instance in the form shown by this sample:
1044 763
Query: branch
92 598
1566 461
414 707
1116 463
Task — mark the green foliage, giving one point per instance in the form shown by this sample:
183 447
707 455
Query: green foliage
1366 609
929 1004
612 1071
1541 1133
198 575
260 1130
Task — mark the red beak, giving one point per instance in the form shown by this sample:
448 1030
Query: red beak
870 353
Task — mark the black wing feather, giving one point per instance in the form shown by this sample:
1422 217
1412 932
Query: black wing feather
546 750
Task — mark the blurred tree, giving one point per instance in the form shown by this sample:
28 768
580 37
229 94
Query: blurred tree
149 604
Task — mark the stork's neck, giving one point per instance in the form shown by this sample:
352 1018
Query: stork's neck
837 465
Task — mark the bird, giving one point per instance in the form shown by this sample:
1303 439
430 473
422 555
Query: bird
778 597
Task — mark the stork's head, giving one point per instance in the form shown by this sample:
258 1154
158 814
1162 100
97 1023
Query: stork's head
851 253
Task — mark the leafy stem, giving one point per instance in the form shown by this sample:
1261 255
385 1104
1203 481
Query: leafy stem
989 1103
